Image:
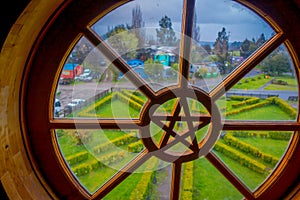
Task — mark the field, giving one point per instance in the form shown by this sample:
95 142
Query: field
94 156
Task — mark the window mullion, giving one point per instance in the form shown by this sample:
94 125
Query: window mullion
261 125
175 185
94 124
186 41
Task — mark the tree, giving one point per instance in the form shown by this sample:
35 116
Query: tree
207 48
154 69
276 64
138 24
165 34
261 40
221 51
196 30
248 47
123 41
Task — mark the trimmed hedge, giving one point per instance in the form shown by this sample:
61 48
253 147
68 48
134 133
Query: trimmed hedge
240 98
142 189
87 112
240 158
247 102
108 159
292 112
187 181
126 99
76 158
132 96
125 139
280 135
246 108
275 135
247 148
136 147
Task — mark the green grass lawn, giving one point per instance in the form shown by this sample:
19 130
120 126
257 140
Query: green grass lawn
292 84
266 145
250 178
117 109
251 83
269 112
209 183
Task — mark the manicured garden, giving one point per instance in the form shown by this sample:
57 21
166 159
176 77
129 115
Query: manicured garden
94 156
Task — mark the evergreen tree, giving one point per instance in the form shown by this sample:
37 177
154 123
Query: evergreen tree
196 30
221 51
138 24
165 34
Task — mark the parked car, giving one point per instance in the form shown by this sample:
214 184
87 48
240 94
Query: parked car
57 108
76 102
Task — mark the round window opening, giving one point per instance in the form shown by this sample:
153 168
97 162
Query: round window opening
146 101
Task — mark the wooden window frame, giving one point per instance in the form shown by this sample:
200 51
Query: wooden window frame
56 41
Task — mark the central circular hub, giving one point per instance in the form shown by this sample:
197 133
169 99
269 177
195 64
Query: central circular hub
180 124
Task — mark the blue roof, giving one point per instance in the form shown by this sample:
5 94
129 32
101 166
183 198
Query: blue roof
70 66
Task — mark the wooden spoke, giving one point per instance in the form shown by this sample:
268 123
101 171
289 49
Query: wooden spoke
94 124
175 185
262 125
186 41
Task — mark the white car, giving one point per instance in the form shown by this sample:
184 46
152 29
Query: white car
76 102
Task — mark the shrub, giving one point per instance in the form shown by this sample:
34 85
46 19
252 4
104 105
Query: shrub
125 139
280 135
76 158
292 112
141 191
241 158
187 182
136 147
86 168
95 106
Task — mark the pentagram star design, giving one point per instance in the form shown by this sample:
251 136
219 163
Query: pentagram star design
180 114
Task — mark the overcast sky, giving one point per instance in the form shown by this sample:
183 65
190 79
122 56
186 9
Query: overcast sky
212 15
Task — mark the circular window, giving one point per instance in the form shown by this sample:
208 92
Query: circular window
140 100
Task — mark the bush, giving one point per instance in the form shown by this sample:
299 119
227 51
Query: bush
76 158
95 106
108 159
240 158
126 139
143 187
280 135
247 148
187 182
136 147
292 112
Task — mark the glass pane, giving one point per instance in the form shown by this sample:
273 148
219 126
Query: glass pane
201 180
148 43
92 87
146 183
252 155
268 92
94 156
225 34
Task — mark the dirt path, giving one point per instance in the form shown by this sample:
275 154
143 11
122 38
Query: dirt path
165 184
